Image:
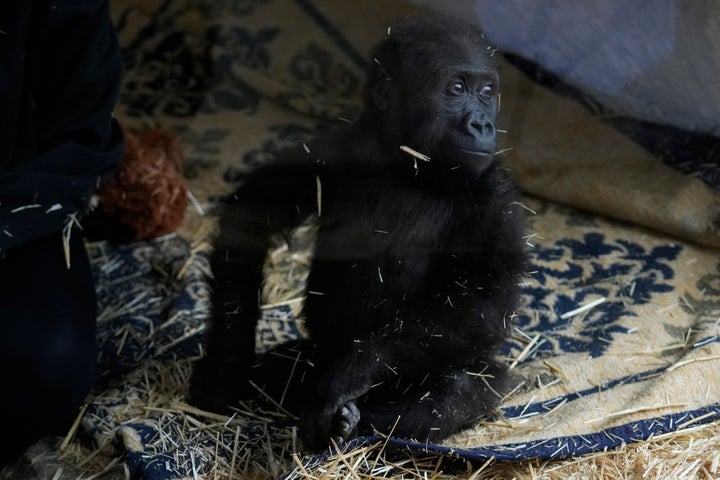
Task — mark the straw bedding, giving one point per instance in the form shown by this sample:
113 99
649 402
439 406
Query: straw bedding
616 350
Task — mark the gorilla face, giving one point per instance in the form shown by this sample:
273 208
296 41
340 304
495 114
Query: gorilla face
440 97
470 101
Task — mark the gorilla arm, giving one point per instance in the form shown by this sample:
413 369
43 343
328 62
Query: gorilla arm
273 200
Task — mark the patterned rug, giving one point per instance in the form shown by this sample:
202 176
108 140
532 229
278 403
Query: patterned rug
618 339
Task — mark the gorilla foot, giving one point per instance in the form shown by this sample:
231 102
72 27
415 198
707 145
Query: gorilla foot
344 422
319 429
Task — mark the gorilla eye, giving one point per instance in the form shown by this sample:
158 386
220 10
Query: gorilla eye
456 88
488 90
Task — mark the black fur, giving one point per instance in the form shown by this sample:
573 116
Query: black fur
416 265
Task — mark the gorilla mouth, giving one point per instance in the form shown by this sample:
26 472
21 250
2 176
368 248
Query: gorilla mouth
476 160
478 153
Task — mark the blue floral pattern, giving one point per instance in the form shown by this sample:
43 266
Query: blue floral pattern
568 274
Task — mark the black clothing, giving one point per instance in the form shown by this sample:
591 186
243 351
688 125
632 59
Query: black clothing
60 71
47 346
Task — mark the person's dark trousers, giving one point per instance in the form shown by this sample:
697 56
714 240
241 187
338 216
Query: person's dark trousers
47 340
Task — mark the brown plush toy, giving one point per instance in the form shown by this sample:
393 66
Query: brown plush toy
147 196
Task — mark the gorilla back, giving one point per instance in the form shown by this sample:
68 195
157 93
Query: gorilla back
418 255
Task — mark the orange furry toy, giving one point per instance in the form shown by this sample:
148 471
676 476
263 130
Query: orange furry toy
147 196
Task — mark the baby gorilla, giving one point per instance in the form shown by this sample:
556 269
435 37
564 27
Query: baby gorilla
416 264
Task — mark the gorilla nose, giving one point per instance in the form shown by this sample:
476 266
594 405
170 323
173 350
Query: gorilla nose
483 127
479 126
481 130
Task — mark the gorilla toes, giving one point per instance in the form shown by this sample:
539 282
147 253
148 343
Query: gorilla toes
345 422
336 424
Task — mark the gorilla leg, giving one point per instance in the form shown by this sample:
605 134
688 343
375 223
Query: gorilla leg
287 374
442 407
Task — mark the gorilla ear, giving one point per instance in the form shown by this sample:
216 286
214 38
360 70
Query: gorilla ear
381 91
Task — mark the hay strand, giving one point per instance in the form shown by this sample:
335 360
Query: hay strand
583 308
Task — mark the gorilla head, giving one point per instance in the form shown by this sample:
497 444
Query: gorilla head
433 86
